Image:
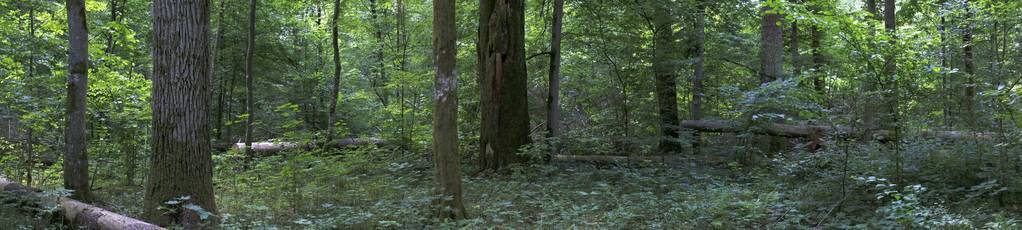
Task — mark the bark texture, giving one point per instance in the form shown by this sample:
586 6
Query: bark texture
968 100
664 67
445 113
771 52
553 104
501 56
181 163
76 161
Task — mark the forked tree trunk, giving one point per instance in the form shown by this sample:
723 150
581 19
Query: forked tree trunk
76 161
445 115
501 57
181 162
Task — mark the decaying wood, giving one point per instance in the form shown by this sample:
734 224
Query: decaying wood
81 214
817 131
267 147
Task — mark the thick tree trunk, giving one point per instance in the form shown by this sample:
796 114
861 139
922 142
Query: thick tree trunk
335 89
80 214
664 68
76 161
182 163
553 104
771 46
445 115
501 57
698 72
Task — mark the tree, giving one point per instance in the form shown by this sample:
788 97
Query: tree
76 161
181 164
553 104
335 89
970 69
698 72
249 90
445 113
664 67
771 48
504 103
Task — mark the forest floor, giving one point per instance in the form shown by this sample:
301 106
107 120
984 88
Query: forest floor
384 189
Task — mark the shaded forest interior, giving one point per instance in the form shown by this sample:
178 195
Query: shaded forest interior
510 114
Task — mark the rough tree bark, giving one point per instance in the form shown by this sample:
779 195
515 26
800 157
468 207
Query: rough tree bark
968 99
501 57
214 58
335 89
664 68
76 161
553 104
445 114
771 46
181 163
249 90
698 71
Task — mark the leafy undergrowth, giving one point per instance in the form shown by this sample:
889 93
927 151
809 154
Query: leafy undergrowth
381 189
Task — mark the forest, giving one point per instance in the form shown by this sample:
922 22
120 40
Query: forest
510 114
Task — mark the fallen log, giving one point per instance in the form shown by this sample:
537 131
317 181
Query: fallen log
269 147
816 131
81 214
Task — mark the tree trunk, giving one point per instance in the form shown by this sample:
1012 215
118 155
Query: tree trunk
76 161
31 76
445 115
970 69
501 57
213 74
29 157
664 68
110 35
890 67
380 83
553 105
796 57
771 48
698 71
181 163
336 87
249 90
819 77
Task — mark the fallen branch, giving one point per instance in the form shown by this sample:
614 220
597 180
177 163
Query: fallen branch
816 131
81 214
267 147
